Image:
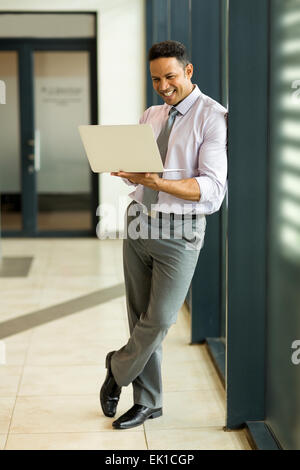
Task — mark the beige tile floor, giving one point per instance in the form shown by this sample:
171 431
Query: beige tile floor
49 384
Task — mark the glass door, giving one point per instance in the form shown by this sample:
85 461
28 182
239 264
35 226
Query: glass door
61 103
10 158
46 186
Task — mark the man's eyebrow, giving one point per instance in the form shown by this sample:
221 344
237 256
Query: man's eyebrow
169 73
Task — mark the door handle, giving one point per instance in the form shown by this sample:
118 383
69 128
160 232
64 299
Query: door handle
37 150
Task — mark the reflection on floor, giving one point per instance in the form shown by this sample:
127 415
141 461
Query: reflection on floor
51 373
62 220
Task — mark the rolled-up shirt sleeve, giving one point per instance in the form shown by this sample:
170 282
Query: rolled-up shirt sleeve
212 162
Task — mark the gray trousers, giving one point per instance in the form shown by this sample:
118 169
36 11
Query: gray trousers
157 273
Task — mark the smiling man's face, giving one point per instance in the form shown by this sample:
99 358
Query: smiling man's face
171 80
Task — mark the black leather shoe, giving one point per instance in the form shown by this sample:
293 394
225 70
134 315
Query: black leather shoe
110 391
136 416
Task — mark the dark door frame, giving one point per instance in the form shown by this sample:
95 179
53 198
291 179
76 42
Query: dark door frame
25 48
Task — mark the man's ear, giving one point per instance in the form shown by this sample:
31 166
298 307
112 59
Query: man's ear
188 72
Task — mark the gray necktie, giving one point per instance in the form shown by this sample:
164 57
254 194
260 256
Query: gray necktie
150 195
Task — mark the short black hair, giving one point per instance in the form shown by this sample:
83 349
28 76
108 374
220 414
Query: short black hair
169 49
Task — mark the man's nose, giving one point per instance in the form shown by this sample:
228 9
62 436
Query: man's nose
164 85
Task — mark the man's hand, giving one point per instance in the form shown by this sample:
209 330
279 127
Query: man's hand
187 189
147 179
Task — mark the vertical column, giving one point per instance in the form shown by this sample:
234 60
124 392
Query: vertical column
247 209
205 299
224 4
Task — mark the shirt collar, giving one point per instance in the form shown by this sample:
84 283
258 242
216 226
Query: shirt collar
188 102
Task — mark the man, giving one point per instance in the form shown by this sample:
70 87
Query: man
190 128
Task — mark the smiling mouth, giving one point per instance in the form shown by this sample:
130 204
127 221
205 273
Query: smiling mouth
169 93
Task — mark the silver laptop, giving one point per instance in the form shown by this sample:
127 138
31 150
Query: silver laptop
130 148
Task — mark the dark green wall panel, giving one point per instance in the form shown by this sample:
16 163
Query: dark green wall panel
180 22
283 320
205 46
247 209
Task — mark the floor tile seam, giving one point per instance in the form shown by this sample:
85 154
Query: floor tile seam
58 329
82 341
37 344
67 365
236 434
145 437
62 365
210 378
16 433
95 395
200 388
21 367
20 395
18 389
54 395
76 342
201 367
156 429
199 391
199 362
193 428
80 432
179 391
72 367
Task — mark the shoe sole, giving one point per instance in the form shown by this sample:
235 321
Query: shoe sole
154 415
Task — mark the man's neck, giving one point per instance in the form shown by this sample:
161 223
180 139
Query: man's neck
192 89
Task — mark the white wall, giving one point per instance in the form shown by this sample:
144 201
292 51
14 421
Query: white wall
121 68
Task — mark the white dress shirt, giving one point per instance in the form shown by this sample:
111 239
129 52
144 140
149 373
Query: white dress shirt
197 144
